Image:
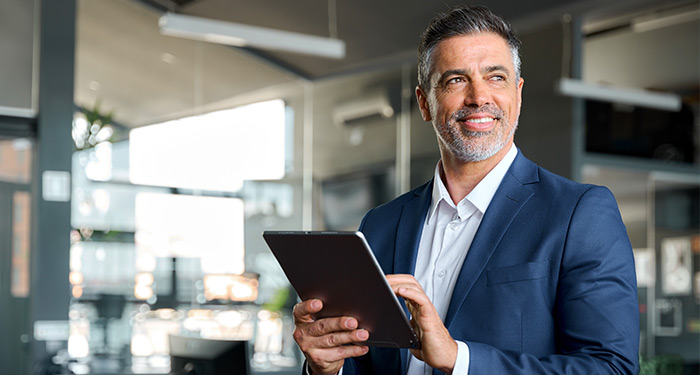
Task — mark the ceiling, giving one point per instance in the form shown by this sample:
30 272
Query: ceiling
126 65
374 31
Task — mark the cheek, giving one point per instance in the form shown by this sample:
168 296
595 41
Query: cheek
434 106
509 104
446 103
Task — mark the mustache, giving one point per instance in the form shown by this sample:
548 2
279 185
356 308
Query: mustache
463 113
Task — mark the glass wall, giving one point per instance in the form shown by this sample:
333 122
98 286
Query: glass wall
185 152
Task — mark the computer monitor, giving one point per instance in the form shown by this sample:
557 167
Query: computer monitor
199 356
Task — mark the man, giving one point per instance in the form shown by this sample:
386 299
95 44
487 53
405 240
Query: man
505 267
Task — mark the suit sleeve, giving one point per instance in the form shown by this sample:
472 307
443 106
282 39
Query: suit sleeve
596 310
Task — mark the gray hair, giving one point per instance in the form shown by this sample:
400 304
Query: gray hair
463 20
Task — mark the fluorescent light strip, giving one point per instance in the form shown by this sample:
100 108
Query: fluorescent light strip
637 97
239 35
643 24
17 112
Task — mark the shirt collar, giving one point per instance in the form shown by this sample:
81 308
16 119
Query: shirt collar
482 194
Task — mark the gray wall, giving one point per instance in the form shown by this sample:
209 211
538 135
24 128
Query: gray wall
545 130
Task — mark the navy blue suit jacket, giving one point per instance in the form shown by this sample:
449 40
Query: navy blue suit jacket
548 285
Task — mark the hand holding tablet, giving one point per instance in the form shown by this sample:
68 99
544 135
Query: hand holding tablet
339 269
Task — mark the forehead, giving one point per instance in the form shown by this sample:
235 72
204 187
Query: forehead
471 51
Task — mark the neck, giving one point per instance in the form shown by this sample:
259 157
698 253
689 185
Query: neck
460 177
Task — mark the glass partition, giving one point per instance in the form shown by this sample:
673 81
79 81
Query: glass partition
184 155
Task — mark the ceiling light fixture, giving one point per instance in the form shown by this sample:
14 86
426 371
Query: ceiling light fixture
654 22
240 35
623 95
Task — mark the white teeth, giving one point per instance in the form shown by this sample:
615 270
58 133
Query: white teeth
480 120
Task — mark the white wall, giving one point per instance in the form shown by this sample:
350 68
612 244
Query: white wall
667 58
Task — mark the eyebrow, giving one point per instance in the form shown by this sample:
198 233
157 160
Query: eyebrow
488 69
495 68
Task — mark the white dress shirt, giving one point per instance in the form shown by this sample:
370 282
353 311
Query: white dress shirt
447 235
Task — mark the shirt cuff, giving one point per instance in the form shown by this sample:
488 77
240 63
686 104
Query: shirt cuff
462 362
307 371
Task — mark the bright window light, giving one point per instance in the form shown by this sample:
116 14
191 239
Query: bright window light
78 346
214 151
209 228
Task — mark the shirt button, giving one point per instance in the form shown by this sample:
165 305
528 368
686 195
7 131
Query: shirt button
454 226
441 273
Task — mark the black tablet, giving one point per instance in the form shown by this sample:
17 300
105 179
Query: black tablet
339 269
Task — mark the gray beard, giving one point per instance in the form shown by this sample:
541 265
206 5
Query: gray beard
465 145
471 151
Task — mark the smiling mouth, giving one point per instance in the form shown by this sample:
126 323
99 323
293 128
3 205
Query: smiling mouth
477 116
481 120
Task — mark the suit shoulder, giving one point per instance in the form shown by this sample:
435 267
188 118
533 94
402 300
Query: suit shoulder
532 175
556 183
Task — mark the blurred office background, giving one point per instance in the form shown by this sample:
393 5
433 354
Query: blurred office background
139 168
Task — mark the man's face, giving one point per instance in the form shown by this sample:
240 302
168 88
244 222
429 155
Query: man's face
474 98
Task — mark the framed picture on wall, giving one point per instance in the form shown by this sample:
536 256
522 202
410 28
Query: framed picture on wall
668 317
676 266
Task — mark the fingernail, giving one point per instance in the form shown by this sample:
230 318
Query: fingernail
363 335
351 323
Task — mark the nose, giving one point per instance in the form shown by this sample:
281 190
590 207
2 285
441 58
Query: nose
476 94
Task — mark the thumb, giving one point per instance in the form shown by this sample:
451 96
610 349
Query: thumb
303 311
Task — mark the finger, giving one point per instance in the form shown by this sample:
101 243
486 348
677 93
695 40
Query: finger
403 280
412 294
417 302
416 289
303 311
329 325
340 339
396 286
311 344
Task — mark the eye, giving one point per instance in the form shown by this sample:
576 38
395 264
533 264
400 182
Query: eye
454 80
497 77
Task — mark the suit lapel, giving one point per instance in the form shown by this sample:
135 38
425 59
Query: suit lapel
510 197
409 230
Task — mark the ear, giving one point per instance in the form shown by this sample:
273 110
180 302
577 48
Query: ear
520 94
422 98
